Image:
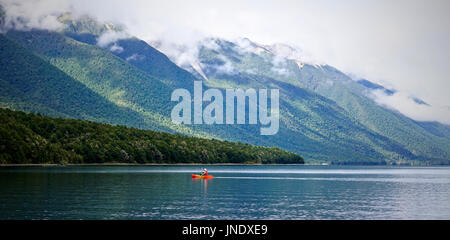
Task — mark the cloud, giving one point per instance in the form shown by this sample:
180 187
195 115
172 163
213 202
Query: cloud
209 43
135 57
182 55
402 44
293 52
410 107
32 14
279 65
116 48
110 37
226 68
186 54
244 45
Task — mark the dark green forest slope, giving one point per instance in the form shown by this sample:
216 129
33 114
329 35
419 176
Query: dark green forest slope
29 83
30 138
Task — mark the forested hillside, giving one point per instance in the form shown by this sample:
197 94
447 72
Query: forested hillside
30 138
31 84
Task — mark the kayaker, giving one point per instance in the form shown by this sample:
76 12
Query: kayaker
204 172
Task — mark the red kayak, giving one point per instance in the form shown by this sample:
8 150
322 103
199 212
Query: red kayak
202 176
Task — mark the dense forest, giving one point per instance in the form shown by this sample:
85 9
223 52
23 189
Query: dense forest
29 138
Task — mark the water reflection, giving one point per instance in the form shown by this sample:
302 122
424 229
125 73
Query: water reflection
203 183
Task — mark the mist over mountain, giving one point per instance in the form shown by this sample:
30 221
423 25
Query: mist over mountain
108 75
322 79
410 55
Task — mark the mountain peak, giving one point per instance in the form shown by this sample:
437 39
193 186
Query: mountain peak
251 46
85 24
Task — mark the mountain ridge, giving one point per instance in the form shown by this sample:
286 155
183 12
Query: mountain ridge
331 83
325 114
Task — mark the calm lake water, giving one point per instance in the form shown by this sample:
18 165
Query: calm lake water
236 192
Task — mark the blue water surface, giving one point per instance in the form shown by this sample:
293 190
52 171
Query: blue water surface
236 192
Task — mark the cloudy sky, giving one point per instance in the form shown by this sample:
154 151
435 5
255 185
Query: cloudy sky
402 44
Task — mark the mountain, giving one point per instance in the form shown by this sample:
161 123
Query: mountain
135 51
103 73
148 59
31 84
382 130
85 25
122 84
349 95
325 115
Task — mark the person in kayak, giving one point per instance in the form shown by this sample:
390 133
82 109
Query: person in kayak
204 172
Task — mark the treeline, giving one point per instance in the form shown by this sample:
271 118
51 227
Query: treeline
30 138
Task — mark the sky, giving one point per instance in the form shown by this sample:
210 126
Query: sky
401 44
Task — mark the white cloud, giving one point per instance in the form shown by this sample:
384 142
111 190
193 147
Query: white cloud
26 15
405 104
226 68
244 45
135 57
293 53
210 43
403 44
279 65
182 55
111 37
116 48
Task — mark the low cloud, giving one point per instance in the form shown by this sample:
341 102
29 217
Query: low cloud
403 49
292 52
186 55
135 57
244 45
111 37
209 43
279 66
226 68
182 55
116 48
32 14
410 107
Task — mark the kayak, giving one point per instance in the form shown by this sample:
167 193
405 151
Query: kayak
200 176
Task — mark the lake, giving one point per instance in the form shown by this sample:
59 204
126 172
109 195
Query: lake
236 192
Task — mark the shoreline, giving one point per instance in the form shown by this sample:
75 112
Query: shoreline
147 164
193 164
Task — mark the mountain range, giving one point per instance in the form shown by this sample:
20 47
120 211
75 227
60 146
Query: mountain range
97 71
